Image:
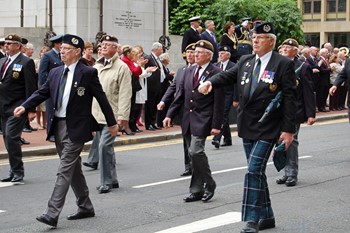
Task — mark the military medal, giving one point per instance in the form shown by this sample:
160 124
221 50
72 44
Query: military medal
244 78
247 65
15 75
81 91
75 84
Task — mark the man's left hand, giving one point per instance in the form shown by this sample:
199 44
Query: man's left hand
287 138
215 131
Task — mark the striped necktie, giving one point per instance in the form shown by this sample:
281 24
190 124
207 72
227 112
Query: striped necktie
255 77
60 92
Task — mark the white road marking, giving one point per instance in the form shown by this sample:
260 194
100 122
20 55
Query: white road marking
189 177
205 224
5 184
2 211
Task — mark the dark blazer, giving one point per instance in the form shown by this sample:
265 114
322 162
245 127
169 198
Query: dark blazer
153 81
85 86
174 87
226 40
48 61
251 109
344 76
324 74
306 100
190 36
17 85
206 36
202 113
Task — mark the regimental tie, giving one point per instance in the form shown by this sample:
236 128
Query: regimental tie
60 92
3 69
255 77
196 77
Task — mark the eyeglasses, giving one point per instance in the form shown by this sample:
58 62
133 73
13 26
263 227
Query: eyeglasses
66 48
9 43
288 47
200 52
260 37
107 44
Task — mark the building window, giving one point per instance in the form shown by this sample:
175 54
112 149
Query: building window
339 39
312 6
317 7
312 39
335 6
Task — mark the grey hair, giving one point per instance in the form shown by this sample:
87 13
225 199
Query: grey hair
208 23
156 45
164 56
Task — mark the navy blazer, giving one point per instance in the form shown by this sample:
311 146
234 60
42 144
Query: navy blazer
174 86
17 85
85 86
202 113
206 36
48 61
250 110
344 76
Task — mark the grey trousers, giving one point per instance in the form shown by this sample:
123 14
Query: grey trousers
291 168
102 147
69 174
201 173
93 153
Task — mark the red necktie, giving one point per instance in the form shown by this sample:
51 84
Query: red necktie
196 77
222 66
4 67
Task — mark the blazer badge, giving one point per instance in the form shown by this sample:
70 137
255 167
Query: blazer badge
81 91
15 75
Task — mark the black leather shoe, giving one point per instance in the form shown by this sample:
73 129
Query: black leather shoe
282 180
17 178
150 128
187 172
156 127
194 197
80 215
323 110
251 227
209 192
111 186
27 130
7 179
52 139
291 181
93 165
104 189
216 144
24 142
227 144
266 224
44 218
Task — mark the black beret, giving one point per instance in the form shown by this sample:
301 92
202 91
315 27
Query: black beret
225 48
74 40
24 41
264 28
109 38
205 44
14 37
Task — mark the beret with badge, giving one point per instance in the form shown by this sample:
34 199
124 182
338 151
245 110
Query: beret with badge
109 38
291 42
225 48
191 47
264 28
74 40
14 38
204 44
56 39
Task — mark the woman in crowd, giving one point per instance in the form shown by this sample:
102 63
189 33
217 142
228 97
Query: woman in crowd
87 58
334 99
230 39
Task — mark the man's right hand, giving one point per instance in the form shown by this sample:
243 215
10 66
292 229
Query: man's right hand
160 106
205 87
167 122
19 111
332 90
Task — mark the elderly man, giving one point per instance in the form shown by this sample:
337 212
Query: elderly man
203 115
209 35
72 88
16 85
191 35
225 64
168 97
306 109
259 78
115 78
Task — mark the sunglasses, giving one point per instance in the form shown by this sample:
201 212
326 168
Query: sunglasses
9 43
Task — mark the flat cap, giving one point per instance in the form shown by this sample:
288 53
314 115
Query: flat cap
204 44
194 18
191 47
264 28
109 38
74 40
56 39
224 48
291 42
14 37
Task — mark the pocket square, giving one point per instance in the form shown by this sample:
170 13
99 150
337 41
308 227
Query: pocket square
279 156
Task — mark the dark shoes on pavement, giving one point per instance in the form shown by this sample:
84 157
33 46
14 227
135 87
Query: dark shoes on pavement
187 172
288 181
46 219
24 142
209 192
81 215
216 144
91 165
266 223
107 188
13 178
251 227
194 197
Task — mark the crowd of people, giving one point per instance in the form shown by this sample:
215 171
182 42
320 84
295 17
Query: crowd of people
111 93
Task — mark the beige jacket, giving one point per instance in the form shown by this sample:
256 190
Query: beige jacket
115 79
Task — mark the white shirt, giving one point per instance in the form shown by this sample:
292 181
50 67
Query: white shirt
224 64
162 74
61 112
11 61
264 60
201 71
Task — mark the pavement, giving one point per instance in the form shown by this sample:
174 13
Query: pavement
40 147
